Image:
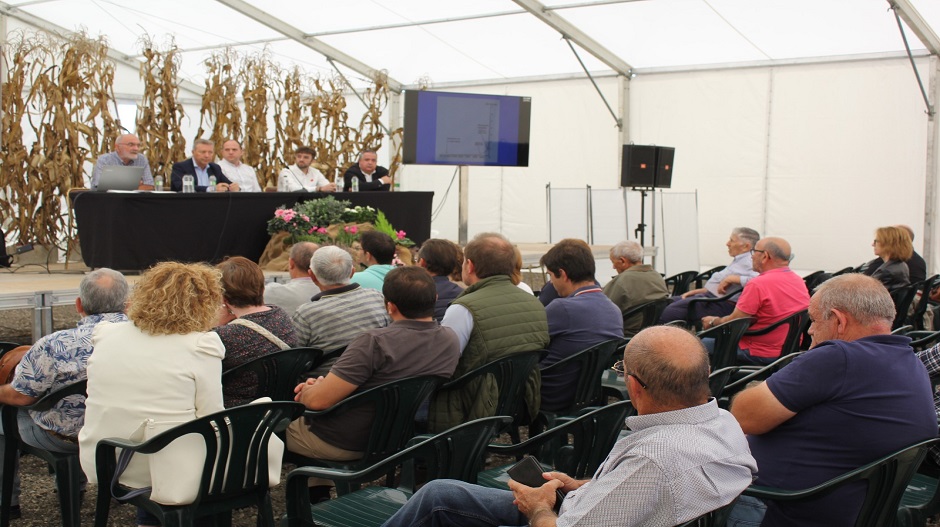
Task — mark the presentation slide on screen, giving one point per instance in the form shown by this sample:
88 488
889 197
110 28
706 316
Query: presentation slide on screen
467 131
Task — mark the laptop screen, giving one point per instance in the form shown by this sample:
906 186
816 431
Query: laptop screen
119 178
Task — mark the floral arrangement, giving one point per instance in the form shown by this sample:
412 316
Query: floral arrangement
308 221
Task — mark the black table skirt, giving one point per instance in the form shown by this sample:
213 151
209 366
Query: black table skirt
131 231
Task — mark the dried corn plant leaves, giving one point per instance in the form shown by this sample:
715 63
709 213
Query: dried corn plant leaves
62 91
160 112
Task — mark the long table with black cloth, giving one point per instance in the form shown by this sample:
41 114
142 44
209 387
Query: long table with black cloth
134 230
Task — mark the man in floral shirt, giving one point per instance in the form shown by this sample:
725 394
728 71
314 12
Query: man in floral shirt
57 360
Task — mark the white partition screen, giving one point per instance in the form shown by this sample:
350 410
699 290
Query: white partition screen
567 214
608 216
677 232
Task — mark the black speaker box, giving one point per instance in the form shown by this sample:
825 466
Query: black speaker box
638 166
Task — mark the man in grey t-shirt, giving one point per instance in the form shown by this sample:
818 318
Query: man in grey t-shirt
126 153
413 345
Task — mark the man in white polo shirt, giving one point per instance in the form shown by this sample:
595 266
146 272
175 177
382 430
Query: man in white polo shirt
235 170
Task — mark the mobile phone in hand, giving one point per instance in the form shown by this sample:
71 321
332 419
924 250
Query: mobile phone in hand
529 473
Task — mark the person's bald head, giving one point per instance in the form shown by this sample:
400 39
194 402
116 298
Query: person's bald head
672 364
771 253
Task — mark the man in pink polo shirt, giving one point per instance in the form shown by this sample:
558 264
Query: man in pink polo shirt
776 293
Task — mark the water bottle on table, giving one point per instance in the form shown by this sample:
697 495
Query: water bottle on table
212 184
158 184
189 184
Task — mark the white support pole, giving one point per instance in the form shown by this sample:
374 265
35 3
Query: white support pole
933 170
464 208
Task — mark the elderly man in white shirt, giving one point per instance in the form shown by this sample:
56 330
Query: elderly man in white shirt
235 170
301 176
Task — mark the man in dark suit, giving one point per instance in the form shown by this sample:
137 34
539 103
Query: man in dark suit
370 175
201 167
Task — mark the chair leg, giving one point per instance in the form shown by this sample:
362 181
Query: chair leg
178 517
10 453
103 504
265 511
68 473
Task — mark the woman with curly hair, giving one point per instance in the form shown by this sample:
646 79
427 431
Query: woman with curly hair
893 246
164 364
248 328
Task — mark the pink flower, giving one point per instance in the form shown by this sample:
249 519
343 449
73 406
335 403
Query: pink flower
401 235
354 229
305 217
311 230
288 215
322 230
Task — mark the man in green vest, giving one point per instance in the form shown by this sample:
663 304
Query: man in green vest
492 318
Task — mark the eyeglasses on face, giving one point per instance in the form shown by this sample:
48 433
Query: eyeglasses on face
618 367
757 251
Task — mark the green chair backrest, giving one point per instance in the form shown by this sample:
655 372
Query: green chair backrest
590 363
511 374
680 282
650 311
887 479
703 277
726 337
797 323
715 518
275 375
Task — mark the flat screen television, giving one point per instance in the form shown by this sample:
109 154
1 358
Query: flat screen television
444 128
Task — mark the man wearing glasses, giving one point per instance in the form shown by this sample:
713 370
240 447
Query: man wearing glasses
777 293
858 395
126 153
685 457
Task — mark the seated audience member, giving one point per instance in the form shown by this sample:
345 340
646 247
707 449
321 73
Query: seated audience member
684 458
636 283
235 170
917 268
517 273
370 175
301 288
441 258
776 293
248 328
378 251
413 345
893 247
493 319
342 310
201 167
126 153
733 277
580 318
165 364
859 394
301 176
56 361
931 359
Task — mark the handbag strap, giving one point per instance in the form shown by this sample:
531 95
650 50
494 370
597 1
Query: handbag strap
261 331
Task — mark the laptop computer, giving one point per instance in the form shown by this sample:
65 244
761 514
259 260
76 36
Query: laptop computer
119 178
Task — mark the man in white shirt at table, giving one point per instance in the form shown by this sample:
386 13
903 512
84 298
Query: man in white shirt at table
235 170
301 177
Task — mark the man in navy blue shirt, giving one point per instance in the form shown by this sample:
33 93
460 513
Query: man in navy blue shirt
858 395
581 317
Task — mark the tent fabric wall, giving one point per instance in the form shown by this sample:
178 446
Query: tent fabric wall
820 154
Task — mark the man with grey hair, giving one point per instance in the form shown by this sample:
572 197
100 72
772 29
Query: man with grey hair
301 288
857 395
685 457
636 283
126 153
342 310
58 360
733 277
201 167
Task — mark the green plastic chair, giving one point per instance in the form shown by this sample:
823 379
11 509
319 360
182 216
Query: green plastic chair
726 337
592 437
680 282
704 276
650 311
235 472
275 375
454 454
692 319
797 325
744 375
887 479
67 467
921 501
715 518
394 406
590 364
511 372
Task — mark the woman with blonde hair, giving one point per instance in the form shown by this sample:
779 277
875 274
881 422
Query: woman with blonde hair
163 364
893 246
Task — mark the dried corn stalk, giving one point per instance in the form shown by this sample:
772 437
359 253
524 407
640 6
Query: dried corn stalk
255 74
220 100
160 113
290 118
62 90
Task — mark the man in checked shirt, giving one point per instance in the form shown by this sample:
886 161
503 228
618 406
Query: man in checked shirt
684 458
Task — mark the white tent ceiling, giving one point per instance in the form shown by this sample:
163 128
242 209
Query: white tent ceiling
448 42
